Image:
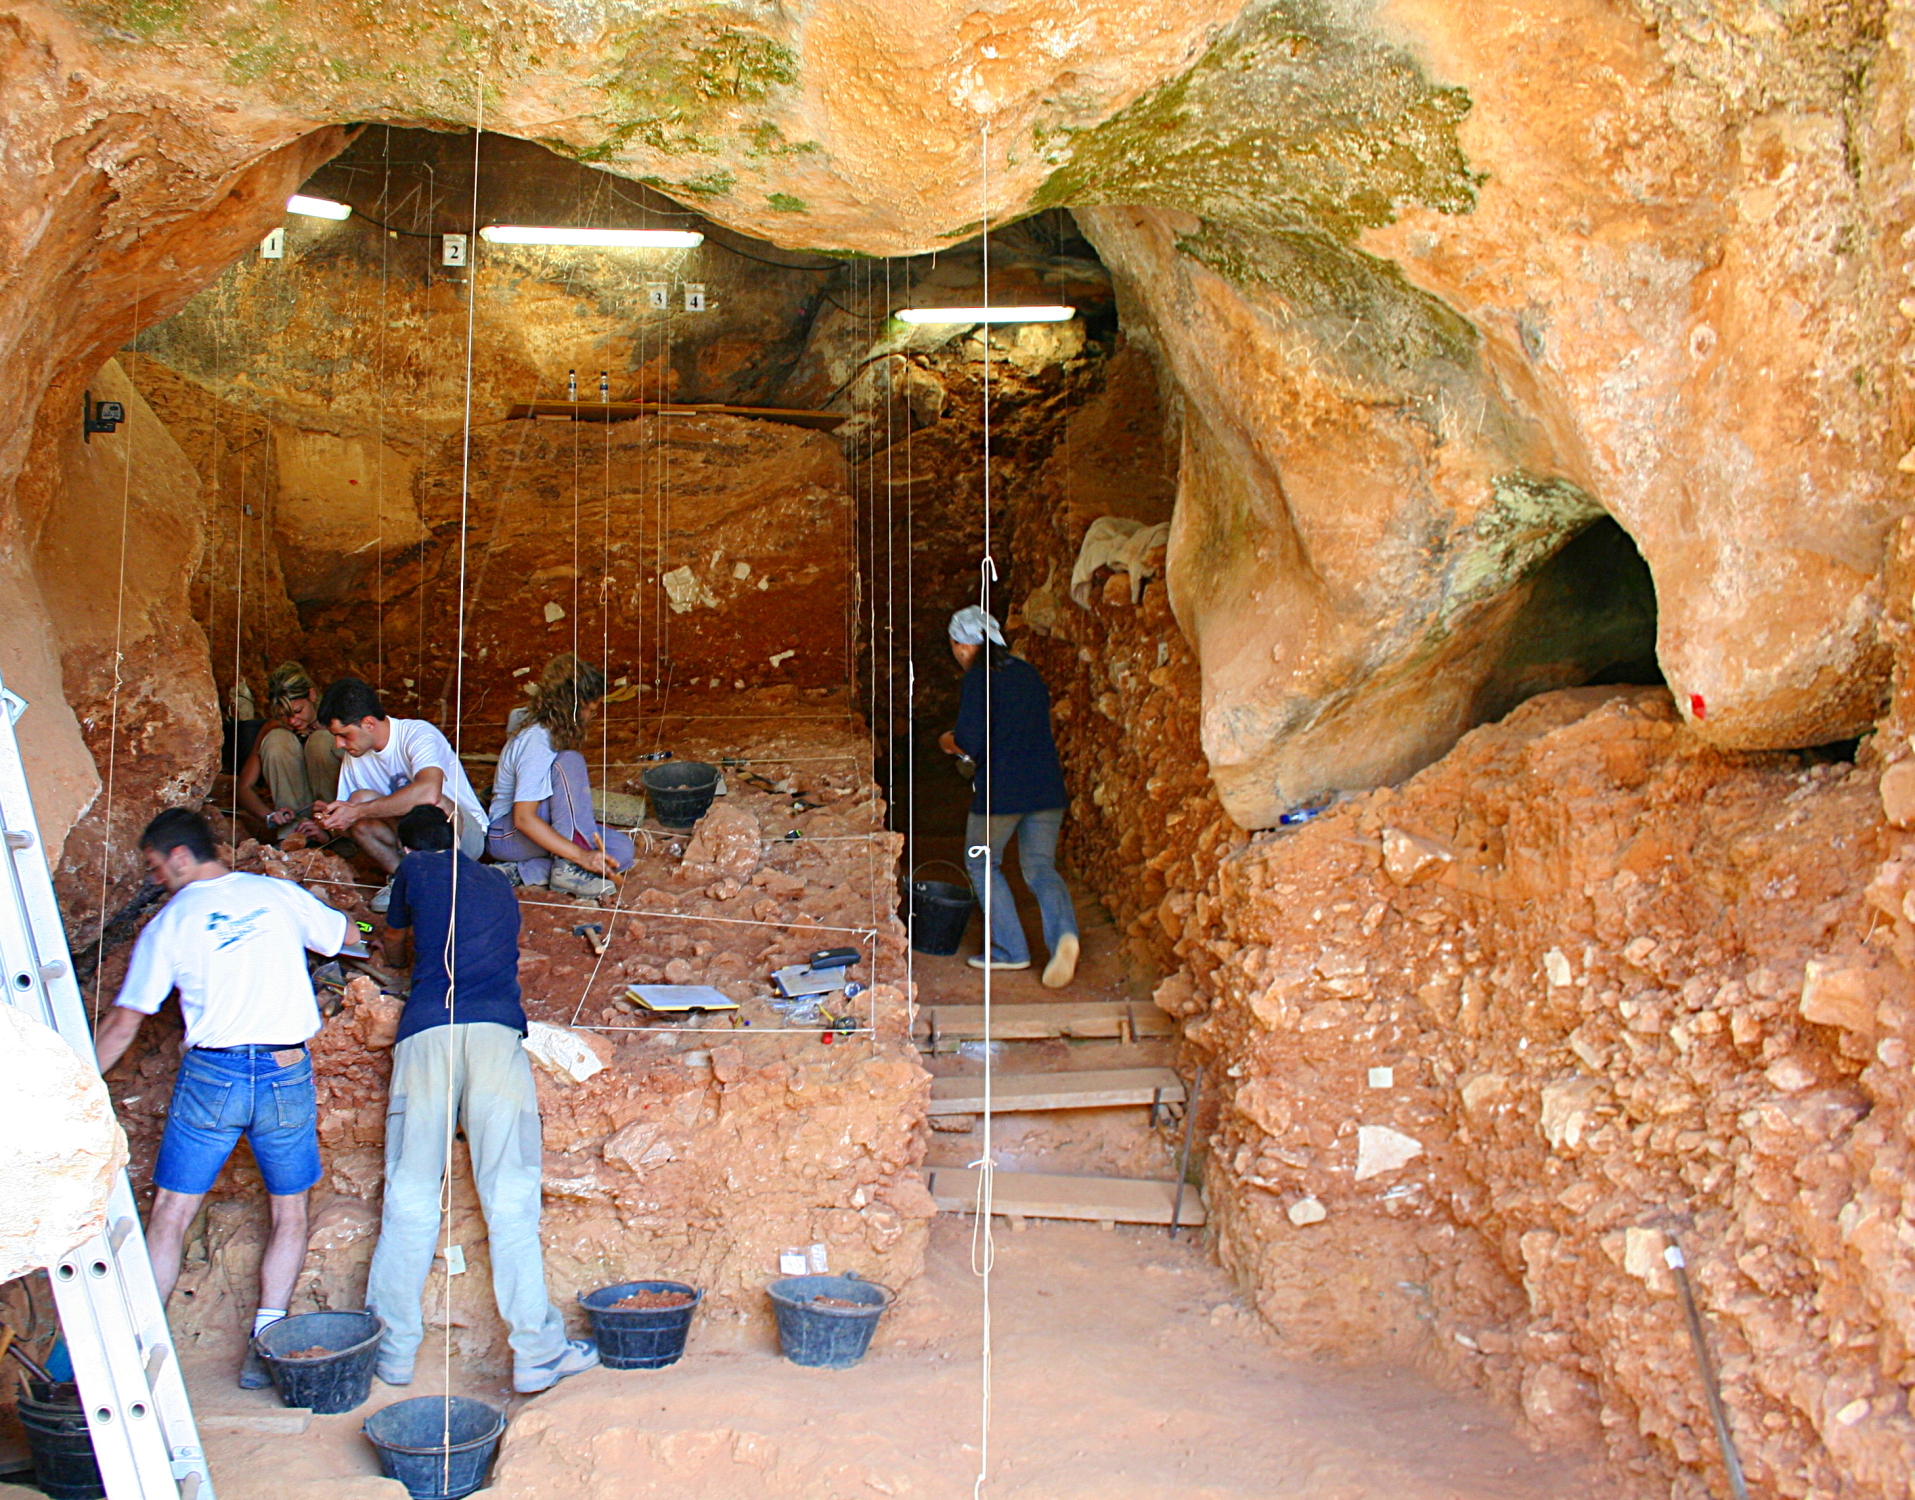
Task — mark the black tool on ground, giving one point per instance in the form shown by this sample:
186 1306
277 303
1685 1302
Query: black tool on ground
833 958
10 1342
1718 1414
593 933
802 806
656 755
336 1379
1183 1156
792 836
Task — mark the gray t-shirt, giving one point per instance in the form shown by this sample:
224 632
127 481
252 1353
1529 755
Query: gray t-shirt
525 772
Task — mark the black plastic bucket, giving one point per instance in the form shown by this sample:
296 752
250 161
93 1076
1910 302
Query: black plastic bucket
639 1338
327 1383
940 912
827 1338
63 1462
681 791
438 1447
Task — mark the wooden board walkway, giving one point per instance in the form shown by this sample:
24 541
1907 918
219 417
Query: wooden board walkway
1089 1090
944 1026
1051 1195
624 411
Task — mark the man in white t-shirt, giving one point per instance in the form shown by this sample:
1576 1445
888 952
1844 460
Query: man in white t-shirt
234 946
391 767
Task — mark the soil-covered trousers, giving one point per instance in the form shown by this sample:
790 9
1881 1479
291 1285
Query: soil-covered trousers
475 1077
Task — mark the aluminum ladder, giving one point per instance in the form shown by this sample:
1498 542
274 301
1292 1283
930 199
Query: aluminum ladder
124 1360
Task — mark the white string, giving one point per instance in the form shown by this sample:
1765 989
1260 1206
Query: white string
113 724
983 1245
458 732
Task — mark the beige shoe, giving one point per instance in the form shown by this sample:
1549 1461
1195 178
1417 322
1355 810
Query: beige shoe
1063 965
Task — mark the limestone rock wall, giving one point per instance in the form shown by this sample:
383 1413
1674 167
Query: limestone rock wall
118 541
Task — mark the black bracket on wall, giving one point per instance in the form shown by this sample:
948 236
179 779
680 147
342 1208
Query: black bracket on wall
100 416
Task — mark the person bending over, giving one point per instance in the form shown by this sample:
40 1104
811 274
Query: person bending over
541 816
234 946
299 766
391 767
458 1064
1019 790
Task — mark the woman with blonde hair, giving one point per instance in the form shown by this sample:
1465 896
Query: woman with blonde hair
541 822
298 766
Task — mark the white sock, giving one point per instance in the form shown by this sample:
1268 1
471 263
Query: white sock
266 1317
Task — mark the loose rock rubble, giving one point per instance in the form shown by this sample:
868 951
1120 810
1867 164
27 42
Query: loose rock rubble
691 1152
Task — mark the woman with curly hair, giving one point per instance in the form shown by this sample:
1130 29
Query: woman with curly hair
541 822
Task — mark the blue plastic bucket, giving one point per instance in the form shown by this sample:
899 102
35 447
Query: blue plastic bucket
827 1337
438 1447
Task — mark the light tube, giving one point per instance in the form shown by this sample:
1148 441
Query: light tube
625 239
318 208
986 314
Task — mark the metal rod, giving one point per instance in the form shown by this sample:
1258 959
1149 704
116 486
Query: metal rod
1183 1156
1731 1462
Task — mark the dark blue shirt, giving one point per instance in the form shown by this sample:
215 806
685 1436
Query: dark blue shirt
1020 764
486 956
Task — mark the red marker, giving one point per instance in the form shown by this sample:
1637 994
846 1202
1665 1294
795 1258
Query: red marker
1696 707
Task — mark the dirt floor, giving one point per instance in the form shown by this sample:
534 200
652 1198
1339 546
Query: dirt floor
1123 1367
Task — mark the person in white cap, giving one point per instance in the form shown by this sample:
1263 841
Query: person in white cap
1019 790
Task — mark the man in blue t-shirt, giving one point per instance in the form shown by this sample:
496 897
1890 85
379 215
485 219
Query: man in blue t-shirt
459 1064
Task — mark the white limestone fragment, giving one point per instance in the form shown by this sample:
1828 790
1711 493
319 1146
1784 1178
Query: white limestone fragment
1307 1211
1380 1149
564 1054
684 589
554 611
1556 966
59 1145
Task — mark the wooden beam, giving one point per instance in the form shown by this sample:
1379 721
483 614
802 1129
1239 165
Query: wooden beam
1083 1019
1050 1195
624 411
1029 1091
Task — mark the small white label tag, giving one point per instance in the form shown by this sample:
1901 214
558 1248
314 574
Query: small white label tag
791 1263
455 1260
820 1260
1382 1078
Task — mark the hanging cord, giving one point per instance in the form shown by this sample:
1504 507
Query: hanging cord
113 723
983 1244
458 738
379 408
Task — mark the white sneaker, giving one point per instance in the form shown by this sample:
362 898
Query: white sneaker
579 1355
575 880
976 961
1063 965
382 898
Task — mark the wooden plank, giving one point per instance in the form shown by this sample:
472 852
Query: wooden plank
1051 1195
622 411
1088 1090
1083 1019
287 1421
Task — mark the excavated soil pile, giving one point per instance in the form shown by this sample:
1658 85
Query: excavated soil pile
693 1151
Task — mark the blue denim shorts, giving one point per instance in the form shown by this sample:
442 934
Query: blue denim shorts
220 1096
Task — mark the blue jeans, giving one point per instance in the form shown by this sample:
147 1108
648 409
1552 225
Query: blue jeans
569 811
1037 858
220 1096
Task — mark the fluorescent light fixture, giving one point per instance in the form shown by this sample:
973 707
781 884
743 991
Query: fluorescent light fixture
609 239
318 208
987 314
